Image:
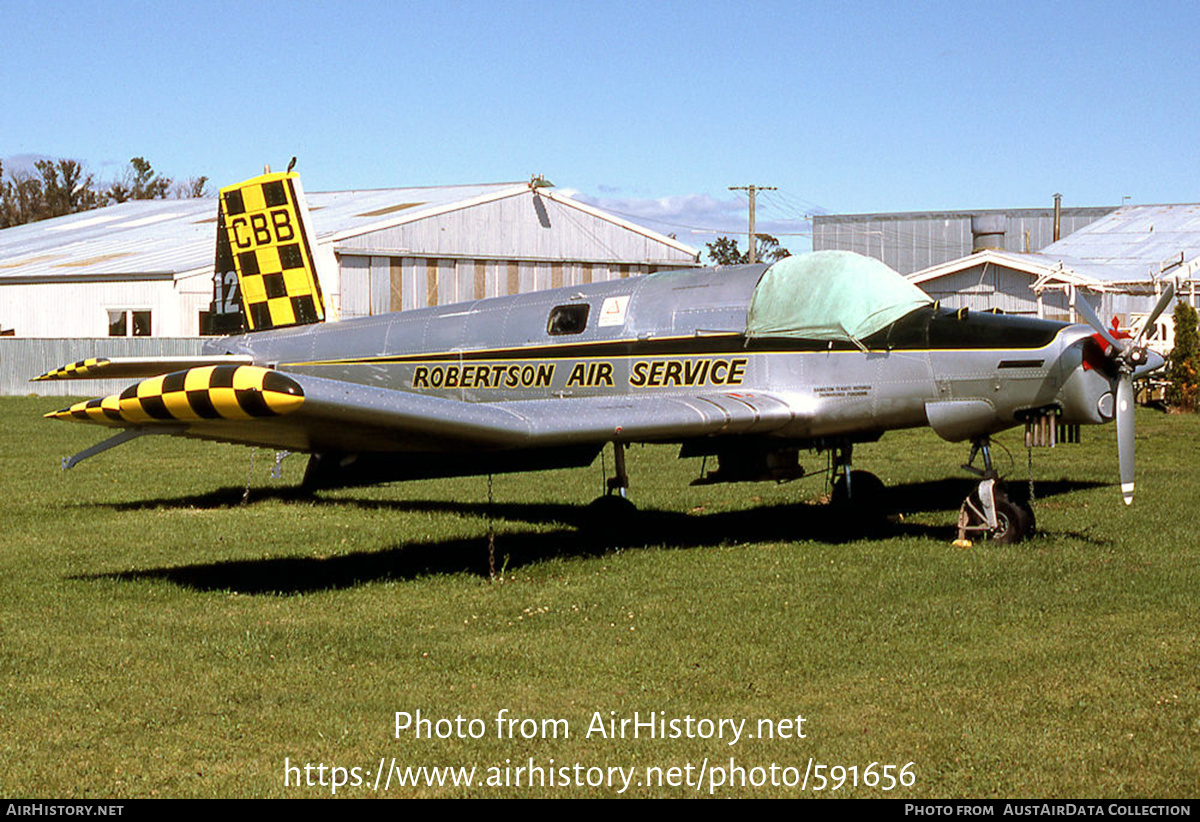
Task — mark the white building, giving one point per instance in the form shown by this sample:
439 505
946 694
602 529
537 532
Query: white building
1119 264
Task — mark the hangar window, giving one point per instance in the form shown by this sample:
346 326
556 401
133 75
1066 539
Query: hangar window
128 323
567 319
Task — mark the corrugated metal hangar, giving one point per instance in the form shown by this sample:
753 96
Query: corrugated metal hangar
915 240
145 268
1117 259
1118 263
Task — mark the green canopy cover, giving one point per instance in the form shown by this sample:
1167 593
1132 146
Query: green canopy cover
830 295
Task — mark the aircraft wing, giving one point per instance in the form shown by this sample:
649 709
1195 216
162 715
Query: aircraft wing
102 368
259 406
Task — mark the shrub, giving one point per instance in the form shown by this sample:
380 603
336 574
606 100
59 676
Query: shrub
1184 372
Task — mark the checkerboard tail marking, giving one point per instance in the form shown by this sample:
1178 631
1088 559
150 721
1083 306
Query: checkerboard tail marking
263 231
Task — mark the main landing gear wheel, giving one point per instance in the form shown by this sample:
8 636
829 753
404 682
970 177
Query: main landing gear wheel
610 518
612 515
610 507
864 494
859 494
860 504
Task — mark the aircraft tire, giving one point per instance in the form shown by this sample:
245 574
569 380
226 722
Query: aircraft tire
1015 521
1015 518
1008 523
609 516
867 495
1027 519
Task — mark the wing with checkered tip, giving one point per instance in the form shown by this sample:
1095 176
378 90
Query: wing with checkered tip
104 368
207 393
260 406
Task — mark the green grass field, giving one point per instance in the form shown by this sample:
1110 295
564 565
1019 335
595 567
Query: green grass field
158 637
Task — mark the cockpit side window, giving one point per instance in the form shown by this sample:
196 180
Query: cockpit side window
567 319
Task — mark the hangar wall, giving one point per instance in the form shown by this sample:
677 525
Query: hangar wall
526 226
511 245
376 284
982 287
913 241
23 359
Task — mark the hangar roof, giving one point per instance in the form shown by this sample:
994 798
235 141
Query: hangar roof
162 239
1132 245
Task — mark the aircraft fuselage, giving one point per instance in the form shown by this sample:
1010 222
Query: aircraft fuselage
683 333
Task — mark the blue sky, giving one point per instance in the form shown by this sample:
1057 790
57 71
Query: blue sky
650 109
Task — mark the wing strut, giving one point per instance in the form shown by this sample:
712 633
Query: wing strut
115 440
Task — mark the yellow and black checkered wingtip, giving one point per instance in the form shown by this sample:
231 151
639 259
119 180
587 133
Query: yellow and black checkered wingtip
265 222
208 393
76 370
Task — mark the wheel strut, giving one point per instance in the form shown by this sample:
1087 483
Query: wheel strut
843 456
981 447
611 515
620 482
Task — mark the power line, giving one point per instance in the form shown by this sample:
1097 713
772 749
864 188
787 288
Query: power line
786 205
796 205
648 219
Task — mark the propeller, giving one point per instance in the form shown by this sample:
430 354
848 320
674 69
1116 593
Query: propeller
1125 434
1089 314
1128 355
1166 297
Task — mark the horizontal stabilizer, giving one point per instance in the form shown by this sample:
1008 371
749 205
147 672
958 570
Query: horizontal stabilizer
103 368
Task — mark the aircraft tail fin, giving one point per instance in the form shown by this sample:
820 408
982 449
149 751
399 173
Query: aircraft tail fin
266 266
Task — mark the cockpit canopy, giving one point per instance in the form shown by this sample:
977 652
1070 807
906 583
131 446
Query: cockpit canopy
838 296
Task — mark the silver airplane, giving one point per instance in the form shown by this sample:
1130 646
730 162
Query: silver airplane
749 365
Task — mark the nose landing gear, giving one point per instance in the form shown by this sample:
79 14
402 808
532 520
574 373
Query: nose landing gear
988 512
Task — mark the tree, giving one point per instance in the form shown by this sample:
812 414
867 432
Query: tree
59 187
1184 372
65 188
190 188
140 182
20 198
147 184
6 201
769 250
26 191
724 251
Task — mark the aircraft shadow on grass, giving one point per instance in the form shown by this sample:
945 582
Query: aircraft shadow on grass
579 536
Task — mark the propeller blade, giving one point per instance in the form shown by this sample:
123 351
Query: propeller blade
1167 295
1081 305
1125 435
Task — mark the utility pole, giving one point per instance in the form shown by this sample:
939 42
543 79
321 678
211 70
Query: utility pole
751 190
